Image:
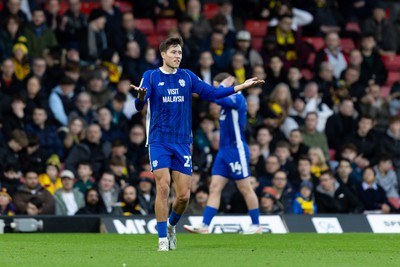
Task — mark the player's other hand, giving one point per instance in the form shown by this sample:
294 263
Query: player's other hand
228 81
141 92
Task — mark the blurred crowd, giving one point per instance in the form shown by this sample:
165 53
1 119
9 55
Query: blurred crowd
323 131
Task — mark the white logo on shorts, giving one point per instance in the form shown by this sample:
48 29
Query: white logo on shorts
155 163
182 82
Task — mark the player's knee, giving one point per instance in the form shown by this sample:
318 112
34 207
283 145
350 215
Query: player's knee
215 188
163 190
183 198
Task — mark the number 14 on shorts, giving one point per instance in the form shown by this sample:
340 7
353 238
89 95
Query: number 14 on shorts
236 167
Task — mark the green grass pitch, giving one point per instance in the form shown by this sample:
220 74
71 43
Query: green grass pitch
200 250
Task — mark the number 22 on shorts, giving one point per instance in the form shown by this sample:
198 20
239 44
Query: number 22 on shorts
188 162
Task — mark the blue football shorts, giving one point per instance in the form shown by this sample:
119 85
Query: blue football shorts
170 155
232 163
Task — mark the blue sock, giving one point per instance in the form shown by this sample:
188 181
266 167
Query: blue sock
255 216
208 215
174 218
162 229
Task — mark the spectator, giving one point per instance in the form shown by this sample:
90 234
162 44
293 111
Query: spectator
52 14
387 179
384 30
264 138
93 203
235 23
62 100
136 147
319 163
275 74
243 44
11 178
34 206
41 71
374 105
312 137
73 134
296 82
68 199
284 190
390 143
333 54
256 161
372 68
50 179
34 156
91 149
315 103
345 176
254 118
10 85
118 168
93 39
109 191
331 197
341 125
238 68
282 150
83 109
109 130
10 153
98 90
221 54
112 14
304 202
39 36
9 35
269 204
293 51
351 78
201 25
394 99
197 206
297 148
6 206
206 70
85 180
130 202
30 188
13 8
304 167
300 17
326 82
73 22
46 132
15 120
146 192
372 195
35 96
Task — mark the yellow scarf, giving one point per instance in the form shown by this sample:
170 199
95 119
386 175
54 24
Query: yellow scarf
114 70
240 75
46 182
21 70
306 205
288 41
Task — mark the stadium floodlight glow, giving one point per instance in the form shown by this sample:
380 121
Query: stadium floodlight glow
27 225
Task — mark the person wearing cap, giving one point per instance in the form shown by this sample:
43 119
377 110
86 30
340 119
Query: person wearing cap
68 199
38 35
146 192
92 40
62 100
21 59
50 179
269 203
243 44
6 206
30 188
304 201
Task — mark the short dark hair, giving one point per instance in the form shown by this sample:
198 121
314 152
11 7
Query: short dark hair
329 173
86 163
385 157
119 97
66 81
342 159
37 202
221 76
365 35
282 144
171 41
304 158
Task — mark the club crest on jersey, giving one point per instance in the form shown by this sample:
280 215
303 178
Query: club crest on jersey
155 163
182 82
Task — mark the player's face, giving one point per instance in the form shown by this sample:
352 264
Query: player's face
172 57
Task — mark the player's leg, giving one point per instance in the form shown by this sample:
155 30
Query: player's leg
163 180
251 199
218 183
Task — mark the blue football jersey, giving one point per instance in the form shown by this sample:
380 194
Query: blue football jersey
232 120
169 99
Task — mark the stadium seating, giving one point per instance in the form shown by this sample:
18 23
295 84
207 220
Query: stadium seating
393 76
392 63
385 91
164 25
347 44
88 6
257 28
124 6
210 10
316 42
353 26
145 25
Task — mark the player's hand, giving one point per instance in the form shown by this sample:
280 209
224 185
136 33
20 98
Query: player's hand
250 83
141 92
228 81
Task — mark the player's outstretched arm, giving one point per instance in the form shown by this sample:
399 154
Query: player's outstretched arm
248 83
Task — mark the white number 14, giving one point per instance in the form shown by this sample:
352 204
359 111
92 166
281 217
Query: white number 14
236 167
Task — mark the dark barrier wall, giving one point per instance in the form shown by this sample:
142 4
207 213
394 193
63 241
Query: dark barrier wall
332 223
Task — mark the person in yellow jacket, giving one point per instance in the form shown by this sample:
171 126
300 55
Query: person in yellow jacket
304 203
21 59
50 179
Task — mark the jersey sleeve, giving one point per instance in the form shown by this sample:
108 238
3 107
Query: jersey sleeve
207 91
232 101
144 83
